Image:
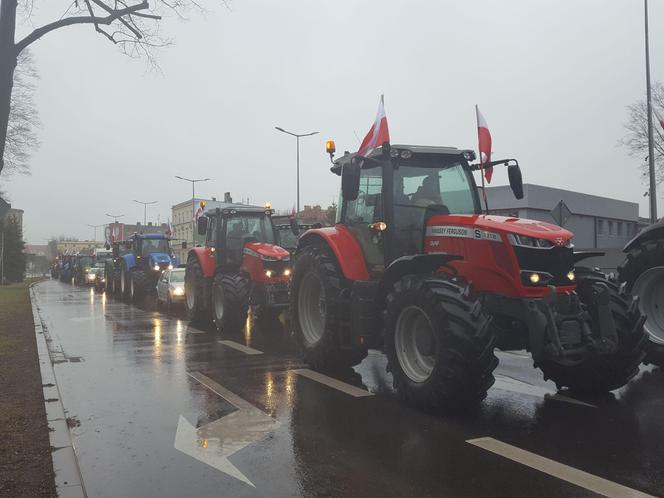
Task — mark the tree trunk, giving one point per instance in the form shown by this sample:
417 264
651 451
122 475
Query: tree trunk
7 66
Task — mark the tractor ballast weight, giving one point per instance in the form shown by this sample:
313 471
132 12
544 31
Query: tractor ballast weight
643 273
413 266
239 266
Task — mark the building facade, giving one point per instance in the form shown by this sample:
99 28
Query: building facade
597 222
122 231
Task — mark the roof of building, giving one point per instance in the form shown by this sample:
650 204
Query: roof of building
546 198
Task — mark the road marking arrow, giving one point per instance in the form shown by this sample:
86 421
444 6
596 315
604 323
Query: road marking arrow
215 442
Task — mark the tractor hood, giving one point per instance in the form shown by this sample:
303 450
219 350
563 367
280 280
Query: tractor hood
269 252
159 258
502 224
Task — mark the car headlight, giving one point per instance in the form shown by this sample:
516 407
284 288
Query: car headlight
287 272
170 267
91 276
178 291
156 268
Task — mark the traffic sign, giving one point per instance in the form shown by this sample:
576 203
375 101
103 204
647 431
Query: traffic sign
561 213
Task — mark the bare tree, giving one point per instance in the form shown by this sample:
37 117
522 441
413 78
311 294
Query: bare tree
23 117
132 25
636 139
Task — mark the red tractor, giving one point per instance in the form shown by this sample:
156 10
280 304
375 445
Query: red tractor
240 265
414 267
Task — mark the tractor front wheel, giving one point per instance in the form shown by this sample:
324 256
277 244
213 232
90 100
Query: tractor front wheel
317 310
137 285
603 373
438 343
193 291
230 303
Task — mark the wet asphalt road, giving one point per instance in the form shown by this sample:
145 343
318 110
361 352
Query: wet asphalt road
161 404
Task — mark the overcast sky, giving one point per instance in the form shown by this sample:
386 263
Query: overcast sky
552 79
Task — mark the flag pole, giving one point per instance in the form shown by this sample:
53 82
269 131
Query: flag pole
486 202
651 146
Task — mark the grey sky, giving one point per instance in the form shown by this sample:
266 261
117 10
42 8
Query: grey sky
552 79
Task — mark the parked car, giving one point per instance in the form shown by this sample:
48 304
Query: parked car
170 287
97 278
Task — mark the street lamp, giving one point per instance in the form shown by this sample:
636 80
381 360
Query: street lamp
145 210
193 203
297 136
95 229
115 217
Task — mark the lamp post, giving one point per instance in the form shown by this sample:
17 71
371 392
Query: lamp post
145 210
95 229
193 181
115 217
651 142
297 137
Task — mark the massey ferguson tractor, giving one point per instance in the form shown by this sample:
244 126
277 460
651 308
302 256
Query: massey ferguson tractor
643 272
137 264
413 266
240 265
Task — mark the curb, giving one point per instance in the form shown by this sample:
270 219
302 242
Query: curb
68 478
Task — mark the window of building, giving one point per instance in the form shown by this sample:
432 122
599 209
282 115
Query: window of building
610 227
600 226
620 229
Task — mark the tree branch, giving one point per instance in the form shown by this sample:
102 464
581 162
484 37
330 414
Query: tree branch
69 21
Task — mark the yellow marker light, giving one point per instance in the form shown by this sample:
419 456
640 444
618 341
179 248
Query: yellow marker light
571 276
330 147
534 278
268 273
267 205
202 204
379 226
287 272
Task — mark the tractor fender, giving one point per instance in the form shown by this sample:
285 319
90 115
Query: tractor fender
345 247
414 264
205 258
652 232
129 261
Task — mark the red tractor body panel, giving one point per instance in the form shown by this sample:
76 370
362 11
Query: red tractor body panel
206 258
252 261
489 262
345 247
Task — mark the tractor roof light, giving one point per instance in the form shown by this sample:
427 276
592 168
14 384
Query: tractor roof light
394 152
406 154
331 148
267 205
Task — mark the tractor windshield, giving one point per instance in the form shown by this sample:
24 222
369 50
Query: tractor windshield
150 246
447 189
85 261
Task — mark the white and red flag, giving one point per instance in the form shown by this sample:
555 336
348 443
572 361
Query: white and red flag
484 141
378 134
170 231
198 214
658 116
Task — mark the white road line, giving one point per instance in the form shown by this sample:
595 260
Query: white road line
578 477
333 383
240 347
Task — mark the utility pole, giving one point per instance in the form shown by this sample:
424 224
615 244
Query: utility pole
95 229
145 209
651 142
297 137
193 204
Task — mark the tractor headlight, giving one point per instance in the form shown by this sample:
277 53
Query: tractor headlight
524 241
170 267
268 273
287 272
571 276
91 276
156 268
534 278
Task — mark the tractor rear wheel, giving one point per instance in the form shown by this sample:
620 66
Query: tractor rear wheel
317 310
643 271
230 303
603 373
438 343
194 297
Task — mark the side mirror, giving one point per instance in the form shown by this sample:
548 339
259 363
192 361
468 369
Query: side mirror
350 181
516 180
294 227
202 225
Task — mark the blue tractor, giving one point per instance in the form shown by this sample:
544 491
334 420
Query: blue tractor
138 264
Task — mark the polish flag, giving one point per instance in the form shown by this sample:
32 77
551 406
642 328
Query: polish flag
198 214
484 139
659 117
378 134
170 231
293 213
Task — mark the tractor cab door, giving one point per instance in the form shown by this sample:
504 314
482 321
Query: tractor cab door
359 214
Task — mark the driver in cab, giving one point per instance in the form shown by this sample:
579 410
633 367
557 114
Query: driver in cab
427 194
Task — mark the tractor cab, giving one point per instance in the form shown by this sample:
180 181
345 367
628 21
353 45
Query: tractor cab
388 198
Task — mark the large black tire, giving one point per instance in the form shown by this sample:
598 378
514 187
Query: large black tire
648 257
317 311
449 364
197 310
138 285
230 303
602 373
